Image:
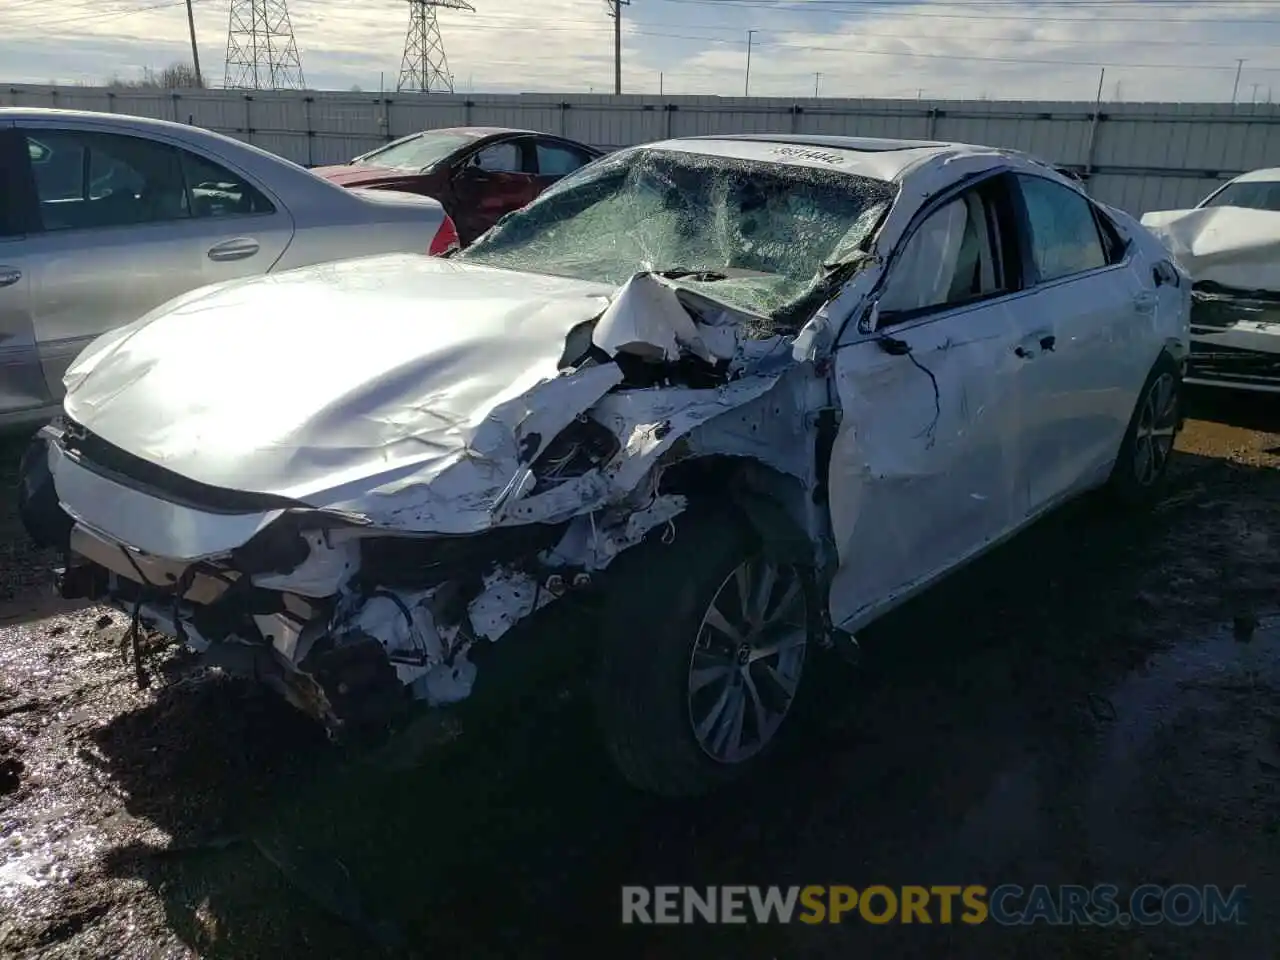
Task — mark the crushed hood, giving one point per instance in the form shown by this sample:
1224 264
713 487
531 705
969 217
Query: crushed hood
299 383
1232 246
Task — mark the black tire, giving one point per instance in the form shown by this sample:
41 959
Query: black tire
656 598
1129 486
46 523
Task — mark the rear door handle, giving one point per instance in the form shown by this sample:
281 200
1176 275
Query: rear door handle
9 276
1144 302
237 249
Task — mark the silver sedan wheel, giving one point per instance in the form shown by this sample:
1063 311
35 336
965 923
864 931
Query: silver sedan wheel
1157 422
747 660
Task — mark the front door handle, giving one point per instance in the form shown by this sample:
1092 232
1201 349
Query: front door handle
9 276
1144 302
237 249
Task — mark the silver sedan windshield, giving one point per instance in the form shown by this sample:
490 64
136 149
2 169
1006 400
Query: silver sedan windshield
759 235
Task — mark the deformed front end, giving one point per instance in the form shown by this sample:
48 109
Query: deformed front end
355 602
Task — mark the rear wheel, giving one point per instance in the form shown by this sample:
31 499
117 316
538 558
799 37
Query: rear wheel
704 648
1141 470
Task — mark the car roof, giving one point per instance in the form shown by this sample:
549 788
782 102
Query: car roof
1259 176
185 132
877 158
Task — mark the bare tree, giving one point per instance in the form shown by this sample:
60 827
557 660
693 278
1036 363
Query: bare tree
176 76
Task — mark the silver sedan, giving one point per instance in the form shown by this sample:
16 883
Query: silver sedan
105 217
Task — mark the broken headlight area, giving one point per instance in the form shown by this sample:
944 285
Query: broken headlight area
583 446
354 625
1235 337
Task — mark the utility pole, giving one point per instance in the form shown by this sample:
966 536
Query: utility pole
615 11
1236 88
746 91
195 50
817 79
1254 98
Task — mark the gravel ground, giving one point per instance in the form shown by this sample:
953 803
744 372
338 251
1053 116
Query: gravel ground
1095 702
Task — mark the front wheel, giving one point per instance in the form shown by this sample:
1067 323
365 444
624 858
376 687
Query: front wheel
1142 467
704 647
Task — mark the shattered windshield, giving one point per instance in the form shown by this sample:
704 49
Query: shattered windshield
761 236
417 152
1251 194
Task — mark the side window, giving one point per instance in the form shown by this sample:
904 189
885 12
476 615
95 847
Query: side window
1064 234
1113 245
15 194
557 160
87 180
948 260
59 174
217 192
499 158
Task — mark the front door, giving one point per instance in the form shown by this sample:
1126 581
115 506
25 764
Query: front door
927 465
22 385
492 182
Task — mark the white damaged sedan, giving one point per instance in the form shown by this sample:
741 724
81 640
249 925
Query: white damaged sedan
712 404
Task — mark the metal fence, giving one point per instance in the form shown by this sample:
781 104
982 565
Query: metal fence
1138 156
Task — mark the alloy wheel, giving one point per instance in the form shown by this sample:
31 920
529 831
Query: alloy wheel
1154 435
747 661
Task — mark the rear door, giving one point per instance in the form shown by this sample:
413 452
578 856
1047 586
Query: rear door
22 385
556 160
126 223
1093 312
493 181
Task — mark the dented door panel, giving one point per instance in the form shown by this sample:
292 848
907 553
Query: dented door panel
924 475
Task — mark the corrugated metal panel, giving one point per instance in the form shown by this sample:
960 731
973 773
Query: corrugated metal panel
1144 156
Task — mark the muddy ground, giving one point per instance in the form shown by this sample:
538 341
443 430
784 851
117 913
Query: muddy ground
1095 702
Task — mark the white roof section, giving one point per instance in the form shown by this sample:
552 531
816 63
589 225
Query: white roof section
878 159
1269 175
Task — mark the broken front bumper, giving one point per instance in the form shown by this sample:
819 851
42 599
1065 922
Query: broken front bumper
349 623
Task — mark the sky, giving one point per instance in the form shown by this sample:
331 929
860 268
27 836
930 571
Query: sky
1164 50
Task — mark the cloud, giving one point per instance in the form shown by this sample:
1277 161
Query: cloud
1003 50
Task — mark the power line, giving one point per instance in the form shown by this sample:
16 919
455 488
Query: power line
915 12
956 56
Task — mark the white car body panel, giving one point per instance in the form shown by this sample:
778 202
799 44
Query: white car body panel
427 422
1231 246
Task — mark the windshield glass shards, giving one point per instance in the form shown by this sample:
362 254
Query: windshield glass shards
756 235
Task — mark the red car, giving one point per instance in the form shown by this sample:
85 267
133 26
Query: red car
477 173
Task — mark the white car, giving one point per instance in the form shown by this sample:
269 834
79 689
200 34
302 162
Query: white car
1230 245
105 216
741 395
